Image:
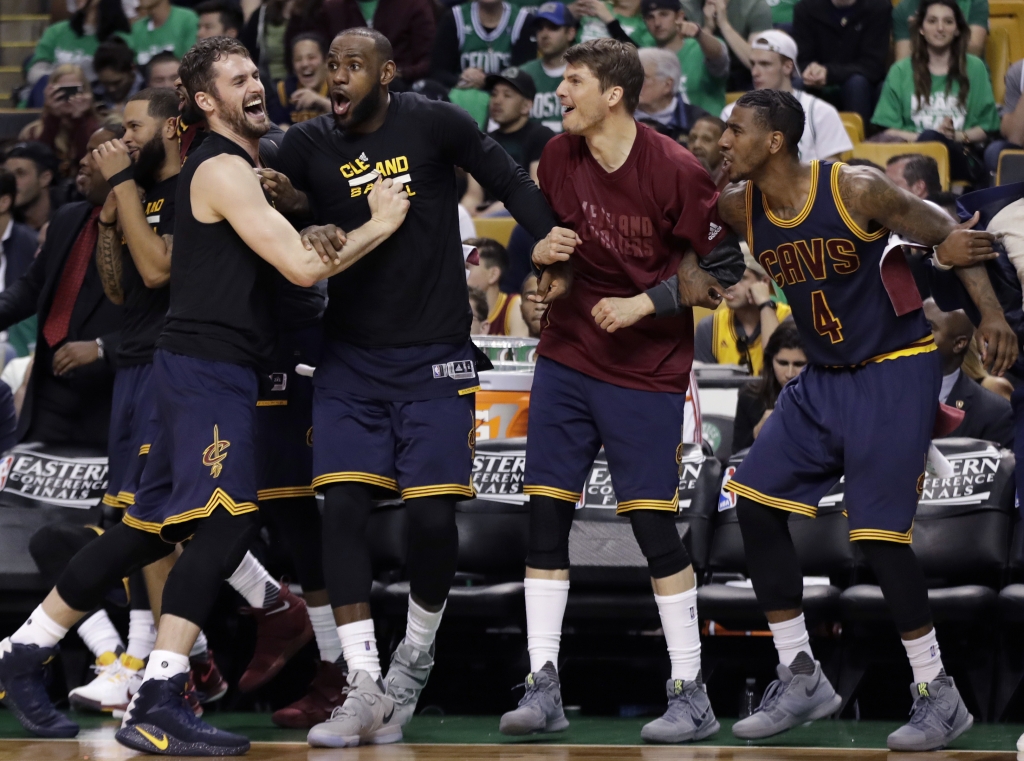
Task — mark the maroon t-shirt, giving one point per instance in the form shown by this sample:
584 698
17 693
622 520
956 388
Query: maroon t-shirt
635 223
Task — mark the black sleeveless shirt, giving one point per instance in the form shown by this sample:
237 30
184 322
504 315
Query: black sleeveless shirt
222 292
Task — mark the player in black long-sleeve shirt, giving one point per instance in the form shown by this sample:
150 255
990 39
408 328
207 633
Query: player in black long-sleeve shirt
393 407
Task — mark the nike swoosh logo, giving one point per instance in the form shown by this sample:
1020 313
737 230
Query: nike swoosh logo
809 691
421 682
160 744
390 714
280 608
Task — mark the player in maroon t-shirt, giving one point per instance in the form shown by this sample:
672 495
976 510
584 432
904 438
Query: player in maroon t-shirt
637 202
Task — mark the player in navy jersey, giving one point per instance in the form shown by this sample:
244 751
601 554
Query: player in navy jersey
865 406
200 475
393 409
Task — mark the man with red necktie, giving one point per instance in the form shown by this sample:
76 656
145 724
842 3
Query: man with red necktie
69 391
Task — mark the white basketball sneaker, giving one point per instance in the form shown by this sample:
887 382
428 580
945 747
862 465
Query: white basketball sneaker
111 690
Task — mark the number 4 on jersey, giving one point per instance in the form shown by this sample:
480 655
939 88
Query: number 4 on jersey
824 321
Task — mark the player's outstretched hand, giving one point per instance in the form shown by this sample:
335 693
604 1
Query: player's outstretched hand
389 203
556 246
696 287
613 314
555 282
965 247
286 198
326 240
111 157
998 344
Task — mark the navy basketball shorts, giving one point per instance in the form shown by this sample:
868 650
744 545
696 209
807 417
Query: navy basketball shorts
872 424
573 414
203 454
418 449
284 419
130 415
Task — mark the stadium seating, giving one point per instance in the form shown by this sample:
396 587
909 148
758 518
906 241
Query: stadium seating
997 54
1009 14
854 124
880 153
1011 167
496 228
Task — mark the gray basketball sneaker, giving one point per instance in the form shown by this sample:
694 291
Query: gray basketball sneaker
937 718
367 717
407 676
689 716
540 710
791 700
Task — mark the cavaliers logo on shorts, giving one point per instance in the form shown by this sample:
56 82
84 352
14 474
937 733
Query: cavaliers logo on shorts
679 458
216 453
472 440
309 437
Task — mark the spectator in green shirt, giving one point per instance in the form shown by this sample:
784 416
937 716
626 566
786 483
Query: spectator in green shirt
620 20
76 40
554 28
941 92
703 58
975 11
735 21
163 27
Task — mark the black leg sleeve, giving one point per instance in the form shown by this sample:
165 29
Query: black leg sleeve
216 549
346 553
658 537
771 557
550 523
433 548
899 575
296 521
104 562
139 593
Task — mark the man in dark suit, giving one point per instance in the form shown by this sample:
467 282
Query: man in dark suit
987 415
69 390
18 245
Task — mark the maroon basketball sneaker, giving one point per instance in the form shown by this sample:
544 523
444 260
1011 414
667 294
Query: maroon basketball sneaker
281 631
206 677
326 692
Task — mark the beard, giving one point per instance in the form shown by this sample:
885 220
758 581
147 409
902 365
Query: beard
367 108
151 157
239 122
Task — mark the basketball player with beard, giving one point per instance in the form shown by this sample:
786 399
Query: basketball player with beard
200 475
393 409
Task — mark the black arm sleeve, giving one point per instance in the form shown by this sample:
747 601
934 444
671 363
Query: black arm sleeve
21 299
724 263
495 170
665 297
444 64
525 48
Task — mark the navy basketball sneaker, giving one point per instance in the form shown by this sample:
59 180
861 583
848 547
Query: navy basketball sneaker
23 690
159 721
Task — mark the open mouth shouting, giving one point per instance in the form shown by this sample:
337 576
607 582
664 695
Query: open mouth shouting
340 103
254 107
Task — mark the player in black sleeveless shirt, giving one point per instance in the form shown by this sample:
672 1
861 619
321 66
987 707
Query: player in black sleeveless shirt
228 239
393 407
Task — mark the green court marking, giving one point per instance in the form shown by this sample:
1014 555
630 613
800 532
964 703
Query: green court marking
584 730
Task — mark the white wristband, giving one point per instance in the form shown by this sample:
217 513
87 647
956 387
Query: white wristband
939 265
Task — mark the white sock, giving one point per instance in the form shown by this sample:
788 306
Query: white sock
359 645
421 626
791 639
99 635
200 647
141 634
545 609
325 631
40 630
682 634
252 581
925 657
163 664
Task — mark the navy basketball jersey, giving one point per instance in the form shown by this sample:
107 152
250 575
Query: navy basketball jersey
829 269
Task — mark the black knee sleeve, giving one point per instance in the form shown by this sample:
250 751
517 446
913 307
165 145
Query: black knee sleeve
346 553
550 522
296 521
139 593
217 547
104 562
899 575
433 548
771 557
658 537
53 546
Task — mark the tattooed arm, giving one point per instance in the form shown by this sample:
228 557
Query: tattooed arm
108 251
732 208
871 197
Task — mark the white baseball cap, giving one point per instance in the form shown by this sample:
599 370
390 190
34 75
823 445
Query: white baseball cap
776 42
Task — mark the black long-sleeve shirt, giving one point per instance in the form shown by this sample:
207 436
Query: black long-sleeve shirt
847 41
410 290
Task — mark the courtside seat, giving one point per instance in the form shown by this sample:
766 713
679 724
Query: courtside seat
717 431
864 602
1011 603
